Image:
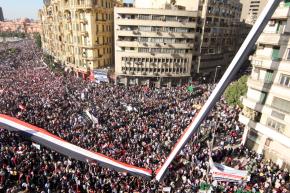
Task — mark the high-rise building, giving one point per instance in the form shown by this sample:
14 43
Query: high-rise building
1 14
155 42
222 34
79 33
252 9
266 112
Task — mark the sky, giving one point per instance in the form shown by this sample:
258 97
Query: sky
13 9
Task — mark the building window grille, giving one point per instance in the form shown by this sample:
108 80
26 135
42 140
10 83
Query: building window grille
269 77
288 54
278 115
285 80
276 125
281 104
144 17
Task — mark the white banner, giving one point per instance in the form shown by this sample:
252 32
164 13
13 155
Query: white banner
224 173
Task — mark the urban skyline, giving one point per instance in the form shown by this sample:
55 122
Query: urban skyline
15 9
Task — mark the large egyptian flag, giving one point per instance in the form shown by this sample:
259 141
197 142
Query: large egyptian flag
43 137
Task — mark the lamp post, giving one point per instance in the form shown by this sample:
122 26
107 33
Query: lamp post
215 73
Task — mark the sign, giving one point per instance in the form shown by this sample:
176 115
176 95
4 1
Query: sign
101 75
224 173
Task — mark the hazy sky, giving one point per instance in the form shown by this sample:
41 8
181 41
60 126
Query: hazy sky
14 9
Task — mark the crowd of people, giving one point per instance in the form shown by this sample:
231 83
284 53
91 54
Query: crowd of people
137 125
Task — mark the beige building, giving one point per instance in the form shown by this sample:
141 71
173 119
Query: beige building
266 112
79 33
155 42
252 9
145 30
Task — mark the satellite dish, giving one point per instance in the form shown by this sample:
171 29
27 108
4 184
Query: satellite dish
46 2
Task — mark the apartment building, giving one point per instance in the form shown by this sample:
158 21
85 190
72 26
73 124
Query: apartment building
155 42
252 9
266 112
222 34
79 34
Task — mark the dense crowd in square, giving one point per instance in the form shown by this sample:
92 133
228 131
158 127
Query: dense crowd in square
137 125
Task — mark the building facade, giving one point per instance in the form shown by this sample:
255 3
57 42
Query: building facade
222 34
213 29
22 25
252 9
79 34
155 42
1 14
266 112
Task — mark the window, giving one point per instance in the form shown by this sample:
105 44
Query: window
275 125
285 80
144 28
146 50
275 53
144 17
288 54
278 115
281 104
263 97
158 17
269 77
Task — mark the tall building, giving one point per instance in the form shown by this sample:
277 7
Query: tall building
266 112
1 14
79 33
252 9
155 42
222 34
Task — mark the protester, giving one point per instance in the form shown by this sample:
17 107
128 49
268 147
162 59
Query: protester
136 125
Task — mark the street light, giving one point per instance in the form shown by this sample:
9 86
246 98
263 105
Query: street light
215 73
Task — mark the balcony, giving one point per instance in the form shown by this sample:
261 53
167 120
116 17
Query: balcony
83 21
263 62
273 38
272 134
254 105
85 4
136 22
259 85
281 12
84 33
129 33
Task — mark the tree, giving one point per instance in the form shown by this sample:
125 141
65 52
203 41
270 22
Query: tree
237 89
37 39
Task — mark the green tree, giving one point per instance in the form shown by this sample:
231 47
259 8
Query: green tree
237 89
37 39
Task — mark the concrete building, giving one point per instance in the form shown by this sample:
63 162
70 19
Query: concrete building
222 34
213 29
155 42
79 33
266 112
252 9
1 14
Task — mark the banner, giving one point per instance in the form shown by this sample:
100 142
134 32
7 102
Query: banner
92 117
224 173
